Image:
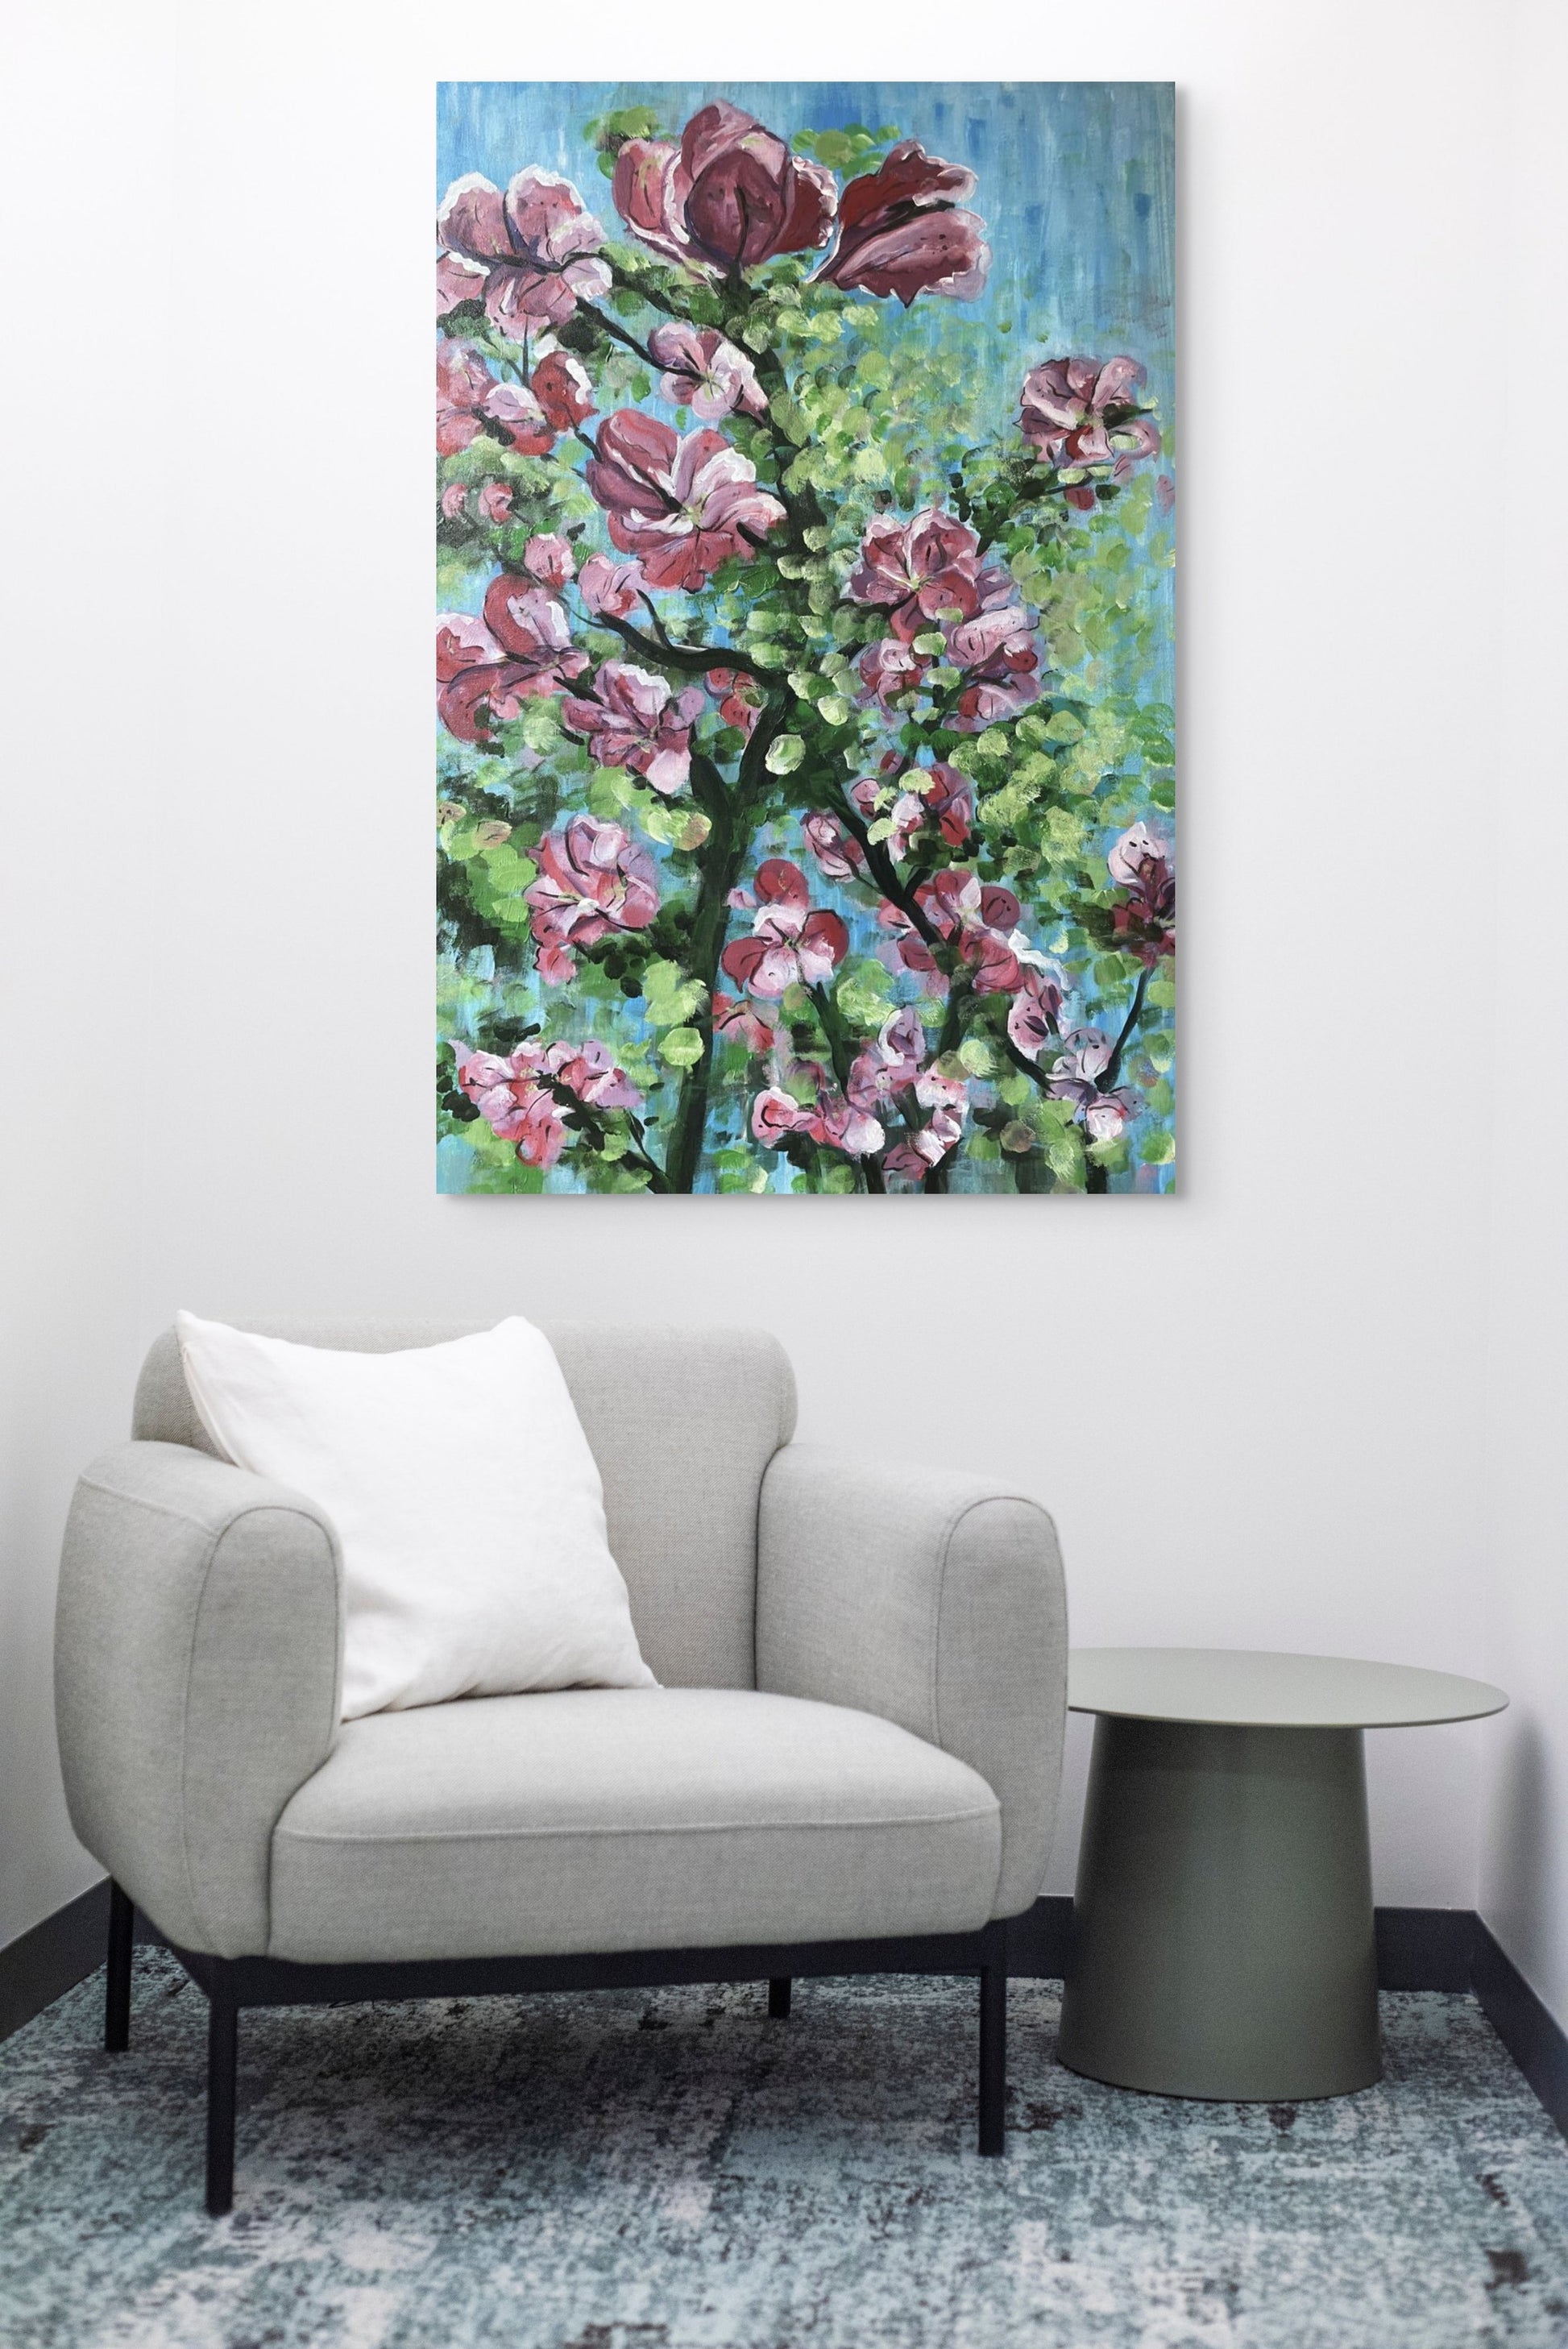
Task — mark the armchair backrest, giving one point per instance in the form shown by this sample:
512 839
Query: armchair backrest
683 1423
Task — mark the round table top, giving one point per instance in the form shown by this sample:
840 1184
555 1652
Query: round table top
1243 1689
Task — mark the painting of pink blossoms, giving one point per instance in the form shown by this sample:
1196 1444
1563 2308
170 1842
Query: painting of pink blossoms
804 656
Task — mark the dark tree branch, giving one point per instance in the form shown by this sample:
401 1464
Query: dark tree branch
693 659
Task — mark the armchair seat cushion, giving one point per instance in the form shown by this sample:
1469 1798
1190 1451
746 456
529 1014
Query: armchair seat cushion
599 1819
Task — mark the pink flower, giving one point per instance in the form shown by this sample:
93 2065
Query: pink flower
1032 1020
534 246
731 194
938 795
738 696
487 668
611 588
559 384
495 502
927 1145
894 1071
519 1096
631 721
1080 1077
704 373
888 669
901 231
1145 924
682 505
998 656
1082 415
454 497
918 569
463 383
587 1072
521 420
838 854
1107 1113
733 1016
469 401
982 919
1085 1060
548 560
892 1064
458 280
788 943
830 1119
513 1103
593 878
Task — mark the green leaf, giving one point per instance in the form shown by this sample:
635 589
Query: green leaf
682 1048
835 710
671 997
785 754
1159 1150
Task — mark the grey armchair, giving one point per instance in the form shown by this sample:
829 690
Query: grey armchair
851 1764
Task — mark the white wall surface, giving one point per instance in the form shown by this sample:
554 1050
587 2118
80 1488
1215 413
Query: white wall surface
1524 1876
1255 1408
88 641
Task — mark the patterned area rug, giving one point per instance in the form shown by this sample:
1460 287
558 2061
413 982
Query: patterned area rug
670 2170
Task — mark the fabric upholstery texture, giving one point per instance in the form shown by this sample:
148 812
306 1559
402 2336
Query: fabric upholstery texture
599 1819
930 1598
198 1655
682 1423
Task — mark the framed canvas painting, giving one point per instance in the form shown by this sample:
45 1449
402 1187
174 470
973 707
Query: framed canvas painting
804 651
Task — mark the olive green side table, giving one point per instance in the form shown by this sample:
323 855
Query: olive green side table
1223 1935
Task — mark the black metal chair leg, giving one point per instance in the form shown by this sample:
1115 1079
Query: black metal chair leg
994 2053
117 1986
223 2050
778 1998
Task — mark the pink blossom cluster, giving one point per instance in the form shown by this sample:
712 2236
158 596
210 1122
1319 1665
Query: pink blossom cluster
896 1070
1145 921
520 1095
983 920
593 878
1080 1077
1084 418
935 799
789 944
530 255
632 718
469 400
825 1117
486 668
927 573
682 505
901 231
729 195
705 372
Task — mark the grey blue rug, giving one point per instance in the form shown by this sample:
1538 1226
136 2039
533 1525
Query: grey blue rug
671 2172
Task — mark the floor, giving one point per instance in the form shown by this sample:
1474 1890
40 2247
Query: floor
670 2170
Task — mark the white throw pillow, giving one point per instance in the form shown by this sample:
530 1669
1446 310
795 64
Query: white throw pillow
464 1493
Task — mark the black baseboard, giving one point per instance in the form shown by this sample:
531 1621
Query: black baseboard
40 1966
1424 1949
1417 1949
1530 2032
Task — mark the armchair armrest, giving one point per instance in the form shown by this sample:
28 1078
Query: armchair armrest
197 1662
935 1601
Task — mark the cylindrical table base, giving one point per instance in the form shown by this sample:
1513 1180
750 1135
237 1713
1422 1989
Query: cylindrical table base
1222 1937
